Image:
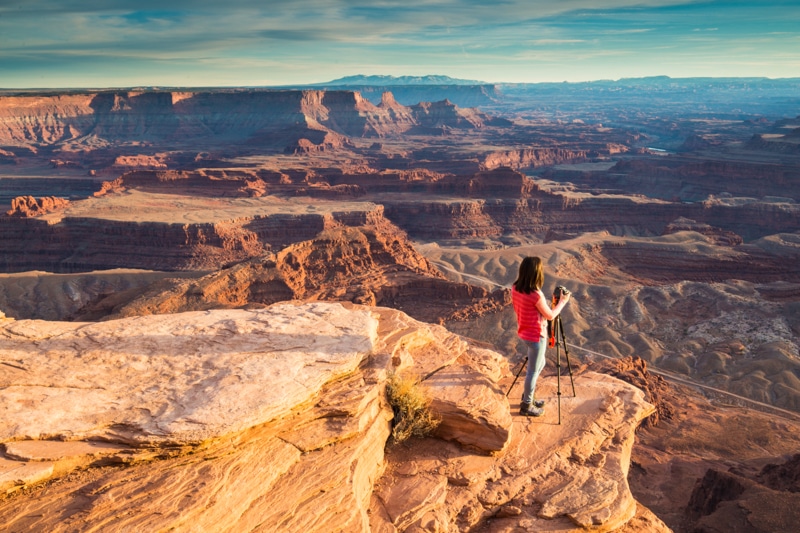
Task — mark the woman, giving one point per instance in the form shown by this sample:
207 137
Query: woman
533 312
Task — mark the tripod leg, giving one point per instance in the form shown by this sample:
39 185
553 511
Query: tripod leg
521 368
558 379
566 354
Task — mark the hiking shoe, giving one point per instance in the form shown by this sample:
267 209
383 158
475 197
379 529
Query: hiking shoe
525 407
533 411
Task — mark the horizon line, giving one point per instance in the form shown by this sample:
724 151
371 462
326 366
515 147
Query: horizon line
328 83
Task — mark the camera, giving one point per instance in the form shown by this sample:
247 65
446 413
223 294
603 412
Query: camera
558 292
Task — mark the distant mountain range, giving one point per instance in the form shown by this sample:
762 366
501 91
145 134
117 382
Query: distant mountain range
361 80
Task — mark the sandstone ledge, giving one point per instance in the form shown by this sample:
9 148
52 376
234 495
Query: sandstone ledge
276 420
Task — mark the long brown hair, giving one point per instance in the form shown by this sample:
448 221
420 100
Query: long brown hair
531 275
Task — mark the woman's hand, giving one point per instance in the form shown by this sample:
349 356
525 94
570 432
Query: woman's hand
543 305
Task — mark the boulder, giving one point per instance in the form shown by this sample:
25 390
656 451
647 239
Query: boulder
473 409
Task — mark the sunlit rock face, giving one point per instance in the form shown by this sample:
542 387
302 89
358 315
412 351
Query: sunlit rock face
276 420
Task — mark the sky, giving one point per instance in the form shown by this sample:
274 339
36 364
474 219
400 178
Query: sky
212 43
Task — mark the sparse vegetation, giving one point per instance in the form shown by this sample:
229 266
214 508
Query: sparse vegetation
411 404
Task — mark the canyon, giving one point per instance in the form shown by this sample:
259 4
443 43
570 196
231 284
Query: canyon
144 219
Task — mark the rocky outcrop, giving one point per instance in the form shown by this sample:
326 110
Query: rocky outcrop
698 142
176 412
633 370
38 187
212 183
445 115
399 113
783 477
7 157
327 142
533 158
60 163
28 206
125 162
578 488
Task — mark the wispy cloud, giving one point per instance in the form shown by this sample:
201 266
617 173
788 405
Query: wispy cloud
627 31
539 42
304 40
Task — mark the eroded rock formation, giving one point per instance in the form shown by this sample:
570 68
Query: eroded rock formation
275 419
372 264
28 206
634 371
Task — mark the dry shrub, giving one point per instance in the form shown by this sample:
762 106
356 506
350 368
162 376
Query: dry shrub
411 404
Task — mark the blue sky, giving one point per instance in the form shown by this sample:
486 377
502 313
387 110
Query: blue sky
108 43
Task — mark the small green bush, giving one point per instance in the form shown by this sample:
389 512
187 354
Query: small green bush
412 408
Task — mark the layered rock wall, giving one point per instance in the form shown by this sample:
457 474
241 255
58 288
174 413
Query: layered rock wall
271 117
689 179
533 157
568 214
75 244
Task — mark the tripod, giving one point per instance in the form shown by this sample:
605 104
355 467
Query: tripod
557 339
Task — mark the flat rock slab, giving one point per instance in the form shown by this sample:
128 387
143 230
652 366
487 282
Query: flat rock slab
48 450
410 498
15 474
180 378
140 206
